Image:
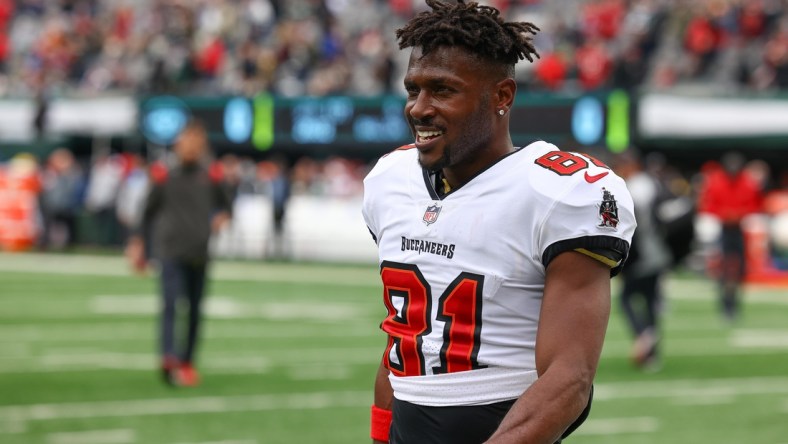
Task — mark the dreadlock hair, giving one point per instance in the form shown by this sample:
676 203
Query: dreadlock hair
477 28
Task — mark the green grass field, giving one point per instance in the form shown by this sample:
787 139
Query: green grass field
290 351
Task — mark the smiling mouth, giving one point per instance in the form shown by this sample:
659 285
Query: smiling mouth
426 136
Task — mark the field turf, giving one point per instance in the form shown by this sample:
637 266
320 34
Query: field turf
290 351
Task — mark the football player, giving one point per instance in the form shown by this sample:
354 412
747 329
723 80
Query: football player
495 260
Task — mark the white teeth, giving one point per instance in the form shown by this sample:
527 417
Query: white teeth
428 134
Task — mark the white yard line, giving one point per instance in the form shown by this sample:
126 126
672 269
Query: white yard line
181 406
14 336
100 356
760 338
617 426
711 399
226 307
259 271
320 373
678 389
750 296
691 388
117 436
66 360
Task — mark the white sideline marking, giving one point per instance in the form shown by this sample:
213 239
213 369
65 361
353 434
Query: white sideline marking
320 400
257 271
224 307
185 405
708 400
63 360
691 388
118 436
13 336
614 426
12 428
320 373
760 338
704 294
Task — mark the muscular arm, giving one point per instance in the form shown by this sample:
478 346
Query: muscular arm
384 395
574 316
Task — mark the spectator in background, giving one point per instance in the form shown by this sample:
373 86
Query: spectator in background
62 186
104 180
649 259
276 174
551 71
730 194
183 208
321 47
40 115
702 40
594 64
20 186
132 193
280 195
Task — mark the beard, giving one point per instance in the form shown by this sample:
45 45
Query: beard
477 133
434 167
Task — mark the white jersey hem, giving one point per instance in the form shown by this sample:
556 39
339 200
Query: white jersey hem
474 387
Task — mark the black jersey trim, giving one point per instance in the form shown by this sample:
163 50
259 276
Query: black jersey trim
612 247
431 185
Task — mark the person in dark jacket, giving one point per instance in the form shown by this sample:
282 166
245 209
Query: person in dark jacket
185 205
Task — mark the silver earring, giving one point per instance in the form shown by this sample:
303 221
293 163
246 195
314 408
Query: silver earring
501 112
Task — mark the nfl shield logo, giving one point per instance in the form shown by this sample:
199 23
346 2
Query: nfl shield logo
431 215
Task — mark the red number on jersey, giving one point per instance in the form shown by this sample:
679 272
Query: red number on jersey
562 162
406 326
460 307
595 161
566 163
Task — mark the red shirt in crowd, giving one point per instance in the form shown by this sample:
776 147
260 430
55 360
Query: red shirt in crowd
594 65
730 197
551 71
702 36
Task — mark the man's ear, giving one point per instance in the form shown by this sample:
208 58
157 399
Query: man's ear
505 92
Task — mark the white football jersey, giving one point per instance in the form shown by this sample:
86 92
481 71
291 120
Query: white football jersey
463 274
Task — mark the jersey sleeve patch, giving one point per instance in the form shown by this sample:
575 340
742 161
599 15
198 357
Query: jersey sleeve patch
609 250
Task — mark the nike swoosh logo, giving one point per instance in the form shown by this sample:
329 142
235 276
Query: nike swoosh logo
594 178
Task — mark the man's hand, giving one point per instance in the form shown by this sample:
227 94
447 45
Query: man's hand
219 221
135 254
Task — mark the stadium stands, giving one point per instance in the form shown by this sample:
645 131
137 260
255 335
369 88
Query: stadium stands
299 47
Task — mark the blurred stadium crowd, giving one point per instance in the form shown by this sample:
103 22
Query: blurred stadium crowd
62 202
320 47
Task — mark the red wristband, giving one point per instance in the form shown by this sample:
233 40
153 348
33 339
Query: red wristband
380 424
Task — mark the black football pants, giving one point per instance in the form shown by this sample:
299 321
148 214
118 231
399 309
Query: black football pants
416 424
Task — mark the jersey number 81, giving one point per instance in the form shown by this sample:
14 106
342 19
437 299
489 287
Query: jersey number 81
459 307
